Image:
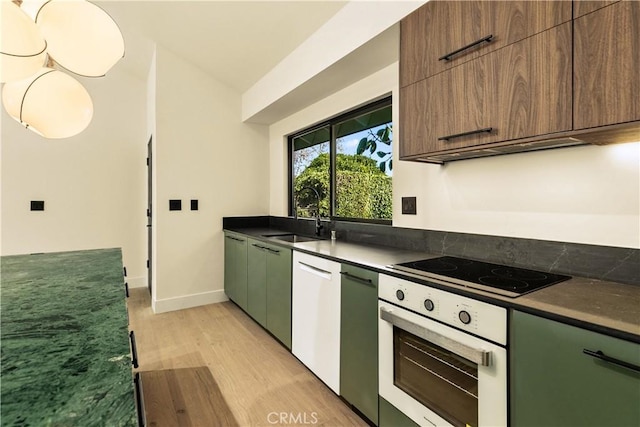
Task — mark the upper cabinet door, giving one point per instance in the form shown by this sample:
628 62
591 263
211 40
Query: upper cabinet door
443 34
607 66
582 7
517 92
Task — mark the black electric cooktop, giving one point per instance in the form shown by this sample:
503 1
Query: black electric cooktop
500 279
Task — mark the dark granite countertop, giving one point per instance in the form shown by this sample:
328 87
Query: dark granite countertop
602 306
64 338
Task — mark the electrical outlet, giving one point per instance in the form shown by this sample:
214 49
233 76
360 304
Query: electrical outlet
408 205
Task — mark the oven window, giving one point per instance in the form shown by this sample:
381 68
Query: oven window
442 381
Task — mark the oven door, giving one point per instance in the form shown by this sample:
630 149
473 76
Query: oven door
437 375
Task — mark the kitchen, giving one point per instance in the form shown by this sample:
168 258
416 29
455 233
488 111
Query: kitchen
554 195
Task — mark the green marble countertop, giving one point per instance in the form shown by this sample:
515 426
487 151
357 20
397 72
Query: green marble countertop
64 340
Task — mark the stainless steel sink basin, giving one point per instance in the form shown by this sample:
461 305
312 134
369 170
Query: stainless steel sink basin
291 237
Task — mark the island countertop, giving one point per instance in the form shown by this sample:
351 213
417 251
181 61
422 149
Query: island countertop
64 338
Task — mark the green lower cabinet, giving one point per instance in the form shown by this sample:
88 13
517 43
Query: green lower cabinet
359 339
278 306
235 268
269 288
390 416
554 383
257 281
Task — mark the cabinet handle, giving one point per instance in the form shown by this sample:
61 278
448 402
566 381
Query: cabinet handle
134 351
600 355
234 238
357 279
126 289
273 251
137 381
458 135
258 246
448 56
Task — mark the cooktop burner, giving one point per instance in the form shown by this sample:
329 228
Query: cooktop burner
501 279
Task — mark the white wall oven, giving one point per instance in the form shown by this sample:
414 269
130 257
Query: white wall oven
442 356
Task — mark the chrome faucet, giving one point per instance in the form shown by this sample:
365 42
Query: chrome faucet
319 225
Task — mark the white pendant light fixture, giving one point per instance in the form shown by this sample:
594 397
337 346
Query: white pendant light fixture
50 103
81 37
69 35
22 47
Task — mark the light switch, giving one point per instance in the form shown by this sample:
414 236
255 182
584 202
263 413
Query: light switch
175 205
37 205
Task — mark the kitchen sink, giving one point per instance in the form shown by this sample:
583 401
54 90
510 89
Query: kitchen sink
291 237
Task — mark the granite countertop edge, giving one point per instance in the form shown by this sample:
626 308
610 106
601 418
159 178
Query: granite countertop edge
608 307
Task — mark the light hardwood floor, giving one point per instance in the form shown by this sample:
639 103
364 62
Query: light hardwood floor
213 365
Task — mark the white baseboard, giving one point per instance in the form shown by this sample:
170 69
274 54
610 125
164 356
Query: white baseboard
136 282
188 301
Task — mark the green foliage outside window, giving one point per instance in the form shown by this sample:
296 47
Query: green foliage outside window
363 189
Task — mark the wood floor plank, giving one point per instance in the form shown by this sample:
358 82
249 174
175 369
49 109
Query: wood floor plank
214 364
185 397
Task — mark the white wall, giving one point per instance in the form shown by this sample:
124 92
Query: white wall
151 132
92 184
202 151
585 195
356 24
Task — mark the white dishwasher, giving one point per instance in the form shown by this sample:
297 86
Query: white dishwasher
315 334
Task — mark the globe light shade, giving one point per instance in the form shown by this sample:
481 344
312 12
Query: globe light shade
81 37
50 103
22 47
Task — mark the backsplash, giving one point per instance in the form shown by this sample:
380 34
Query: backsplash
600 262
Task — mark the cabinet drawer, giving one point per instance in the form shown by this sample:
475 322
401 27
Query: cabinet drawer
440 28
519 91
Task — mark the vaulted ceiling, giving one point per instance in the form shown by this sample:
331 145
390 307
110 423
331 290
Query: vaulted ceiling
237 42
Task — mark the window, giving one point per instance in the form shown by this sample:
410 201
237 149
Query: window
348 162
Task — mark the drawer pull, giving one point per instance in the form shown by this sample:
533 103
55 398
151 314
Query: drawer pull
448 56
134 350
458 135
600 355
137 381
357 279
234 238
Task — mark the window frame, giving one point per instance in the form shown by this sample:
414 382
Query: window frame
386 101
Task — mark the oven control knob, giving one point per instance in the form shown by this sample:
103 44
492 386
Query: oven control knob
428 304
464 317
399 294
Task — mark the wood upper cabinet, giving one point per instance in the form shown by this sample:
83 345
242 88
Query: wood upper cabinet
582 7
440 28
607 66
519 91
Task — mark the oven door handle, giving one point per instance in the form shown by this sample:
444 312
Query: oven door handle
476 355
